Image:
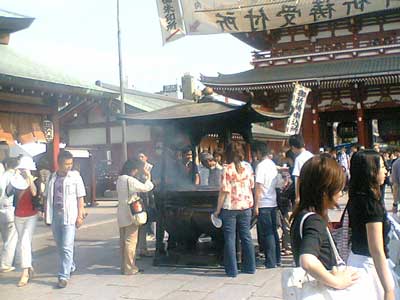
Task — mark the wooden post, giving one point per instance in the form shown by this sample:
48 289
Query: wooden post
93 179
121 89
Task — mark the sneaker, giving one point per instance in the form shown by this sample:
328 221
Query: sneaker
62 283
7 269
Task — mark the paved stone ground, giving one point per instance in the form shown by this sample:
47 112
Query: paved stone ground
97 277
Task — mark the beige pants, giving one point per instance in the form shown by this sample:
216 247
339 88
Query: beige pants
128 237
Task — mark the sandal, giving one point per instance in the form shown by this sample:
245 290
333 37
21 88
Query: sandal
23 281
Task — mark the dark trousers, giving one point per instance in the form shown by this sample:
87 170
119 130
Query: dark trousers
270 237
239 220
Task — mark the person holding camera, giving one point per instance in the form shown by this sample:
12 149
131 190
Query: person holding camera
22 186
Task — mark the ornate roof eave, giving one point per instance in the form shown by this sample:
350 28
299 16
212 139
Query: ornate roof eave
11 22
323 82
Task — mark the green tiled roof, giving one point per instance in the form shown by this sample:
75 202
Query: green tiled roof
145 101
11 22
332 70
15 67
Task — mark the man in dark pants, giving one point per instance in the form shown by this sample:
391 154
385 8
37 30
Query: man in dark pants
266 207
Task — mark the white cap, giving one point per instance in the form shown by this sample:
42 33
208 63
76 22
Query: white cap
26 162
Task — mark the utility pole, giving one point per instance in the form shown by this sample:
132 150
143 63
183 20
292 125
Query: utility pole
121 89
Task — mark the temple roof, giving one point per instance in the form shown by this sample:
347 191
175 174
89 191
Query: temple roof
263 133
310 74
200 119
12 22
16 68
144 101
209 111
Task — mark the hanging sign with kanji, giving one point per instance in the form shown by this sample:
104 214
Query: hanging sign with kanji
231 16
299 99
171 22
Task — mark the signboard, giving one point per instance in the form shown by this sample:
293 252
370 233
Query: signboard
171 21
172 88
48 130
299 98
232 16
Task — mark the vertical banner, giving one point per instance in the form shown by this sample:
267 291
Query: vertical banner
299 99
171 21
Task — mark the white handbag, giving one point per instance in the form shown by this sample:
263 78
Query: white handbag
298 285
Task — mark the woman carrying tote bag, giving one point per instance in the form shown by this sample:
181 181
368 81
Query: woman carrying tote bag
369 223
128 186
321 183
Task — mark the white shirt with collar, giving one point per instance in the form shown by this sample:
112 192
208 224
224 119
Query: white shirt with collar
73 189
267 177
300 161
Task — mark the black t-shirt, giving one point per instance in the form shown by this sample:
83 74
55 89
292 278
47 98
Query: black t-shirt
365 209
315 240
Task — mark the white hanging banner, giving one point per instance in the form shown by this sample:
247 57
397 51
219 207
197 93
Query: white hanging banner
299 99
171 21
232 16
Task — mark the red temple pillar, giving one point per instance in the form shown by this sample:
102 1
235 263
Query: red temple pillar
307 130
361 128
56 142
315 121
315 130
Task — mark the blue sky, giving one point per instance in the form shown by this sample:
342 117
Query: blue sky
79 36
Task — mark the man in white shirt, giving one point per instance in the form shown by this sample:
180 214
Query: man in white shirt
296 143
396 184
65 212
265 207
7 227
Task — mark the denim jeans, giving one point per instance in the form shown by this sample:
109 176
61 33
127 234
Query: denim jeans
269 231
64 235
239 220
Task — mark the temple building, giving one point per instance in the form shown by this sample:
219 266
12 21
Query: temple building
352 66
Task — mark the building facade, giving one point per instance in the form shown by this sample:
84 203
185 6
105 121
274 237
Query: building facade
352 66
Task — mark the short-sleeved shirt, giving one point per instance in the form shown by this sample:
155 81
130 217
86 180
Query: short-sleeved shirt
25 206
363 209
267 177
300 161
239 187
204 173
73 190
315 240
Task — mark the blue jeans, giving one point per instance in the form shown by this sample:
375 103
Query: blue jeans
240 220
64 235
270 237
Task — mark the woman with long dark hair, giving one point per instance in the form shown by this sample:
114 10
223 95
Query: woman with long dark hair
128 186
235 201
321 183
369 223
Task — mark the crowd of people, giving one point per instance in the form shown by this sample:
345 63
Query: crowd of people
292 190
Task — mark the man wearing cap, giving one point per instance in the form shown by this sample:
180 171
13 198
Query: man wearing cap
64 210
7 227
